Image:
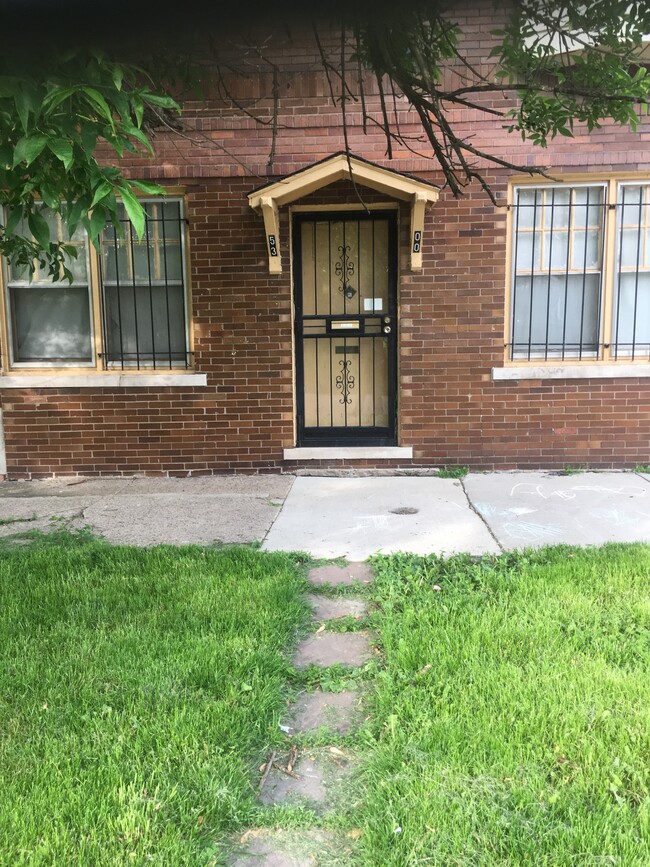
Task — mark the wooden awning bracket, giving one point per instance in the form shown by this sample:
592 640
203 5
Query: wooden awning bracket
269 198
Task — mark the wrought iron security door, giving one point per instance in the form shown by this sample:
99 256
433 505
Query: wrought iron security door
345 278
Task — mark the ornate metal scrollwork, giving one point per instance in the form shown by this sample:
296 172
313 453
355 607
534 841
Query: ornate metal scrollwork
344 269
345 381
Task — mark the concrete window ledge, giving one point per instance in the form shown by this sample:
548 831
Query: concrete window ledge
571 371
349 453
104 380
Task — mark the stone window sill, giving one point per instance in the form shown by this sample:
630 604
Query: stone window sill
572 371
102 380
348 453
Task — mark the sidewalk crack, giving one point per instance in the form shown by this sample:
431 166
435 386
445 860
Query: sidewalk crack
272 524
480 517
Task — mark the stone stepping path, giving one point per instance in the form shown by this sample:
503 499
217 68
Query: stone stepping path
351 649
336 607
312 781
339 712
341 575
307 776
304 848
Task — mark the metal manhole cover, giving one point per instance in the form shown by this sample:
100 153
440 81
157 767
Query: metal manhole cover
404 510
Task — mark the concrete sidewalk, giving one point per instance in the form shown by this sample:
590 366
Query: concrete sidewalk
342 517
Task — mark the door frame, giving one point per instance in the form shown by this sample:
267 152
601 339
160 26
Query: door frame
337 437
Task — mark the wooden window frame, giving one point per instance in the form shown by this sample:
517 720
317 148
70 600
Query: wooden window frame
98 366
606 354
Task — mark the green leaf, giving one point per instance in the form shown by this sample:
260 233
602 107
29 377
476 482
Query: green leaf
39 228
102 107
28 148
148 188
97 221
136 133
101 192
134 209
89 137
15 216
49 195
118 76
62 149
162 101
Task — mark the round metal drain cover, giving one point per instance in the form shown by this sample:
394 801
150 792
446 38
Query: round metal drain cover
405 510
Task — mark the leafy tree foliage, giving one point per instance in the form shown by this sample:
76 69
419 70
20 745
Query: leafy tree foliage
559 63
52 116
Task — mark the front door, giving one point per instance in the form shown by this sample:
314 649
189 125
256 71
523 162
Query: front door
345 278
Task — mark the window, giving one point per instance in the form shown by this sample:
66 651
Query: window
126 308
580 279
51 323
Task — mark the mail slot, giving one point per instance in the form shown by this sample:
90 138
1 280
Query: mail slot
355 325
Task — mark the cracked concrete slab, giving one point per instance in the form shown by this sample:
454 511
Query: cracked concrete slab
150 511
333 648
336 607
535 509
357 517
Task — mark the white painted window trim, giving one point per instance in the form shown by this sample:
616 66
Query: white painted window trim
572 371
104 380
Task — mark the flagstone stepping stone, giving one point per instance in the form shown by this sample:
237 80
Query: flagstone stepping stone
303 848
332 608
315 776
337 575
332 648
339 712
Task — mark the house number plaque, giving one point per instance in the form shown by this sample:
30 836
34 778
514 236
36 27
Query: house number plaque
273 247
417 241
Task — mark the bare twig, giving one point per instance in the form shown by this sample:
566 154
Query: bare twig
267 770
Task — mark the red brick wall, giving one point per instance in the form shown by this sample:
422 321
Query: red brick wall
451 315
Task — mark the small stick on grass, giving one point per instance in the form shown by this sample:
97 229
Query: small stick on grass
269 765
291 761
286 771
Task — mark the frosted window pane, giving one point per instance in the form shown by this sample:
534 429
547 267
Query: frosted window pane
586 250
555 248
624 311
526 260
561 200
630 248
526 212
631 211
541 312
51 323
141 335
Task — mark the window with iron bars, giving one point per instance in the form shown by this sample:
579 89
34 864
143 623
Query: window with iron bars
580 272
126 308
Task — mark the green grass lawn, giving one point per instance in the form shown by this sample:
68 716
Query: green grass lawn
509 719
513 715
139 690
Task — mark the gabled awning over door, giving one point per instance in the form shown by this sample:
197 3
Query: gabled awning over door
269 198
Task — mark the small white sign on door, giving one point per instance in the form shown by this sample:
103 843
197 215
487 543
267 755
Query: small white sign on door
374 305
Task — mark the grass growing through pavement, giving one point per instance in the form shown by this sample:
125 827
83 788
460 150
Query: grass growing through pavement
513 715
138 690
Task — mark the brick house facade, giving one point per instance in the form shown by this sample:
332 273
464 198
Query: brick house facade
468 388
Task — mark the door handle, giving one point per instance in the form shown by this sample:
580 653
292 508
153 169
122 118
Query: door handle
386 329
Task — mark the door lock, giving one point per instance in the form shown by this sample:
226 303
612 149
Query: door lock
386 320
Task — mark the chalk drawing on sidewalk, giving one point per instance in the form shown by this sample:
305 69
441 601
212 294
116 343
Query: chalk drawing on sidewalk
546 493
528 531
